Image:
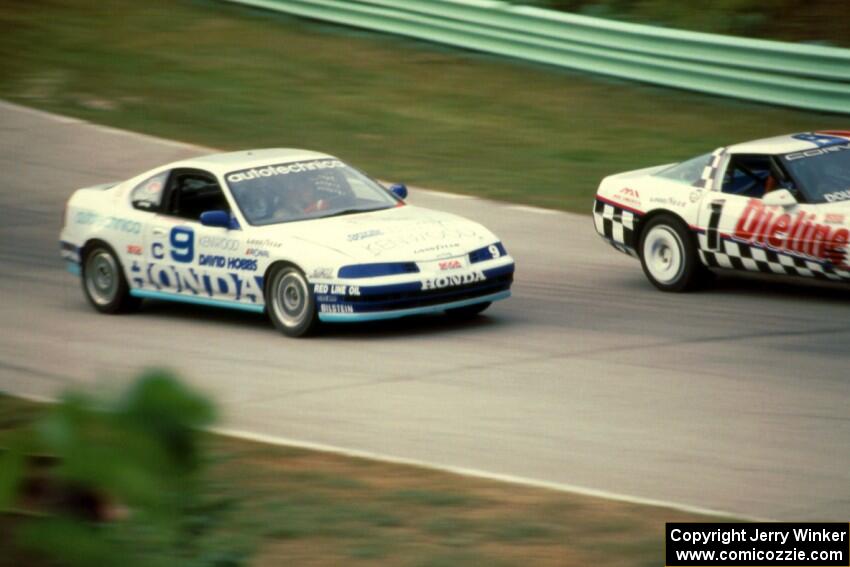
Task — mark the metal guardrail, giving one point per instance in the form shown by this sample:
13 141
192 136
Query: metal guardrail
797 75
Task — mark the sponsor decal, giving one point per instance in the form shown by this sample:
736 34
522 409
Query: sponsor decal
232 263
123 225
817 152
797 234
364 235
630 196
450 265
191 281
695 196
444 249
109 223
256 252
134 249
833 218
426 239
322 273
86 217
263 243
453 280
837 196
218 243
334 308
283 169
669 201
337 289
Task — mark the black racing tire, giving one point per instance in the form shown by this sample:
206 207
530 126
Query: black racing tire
468 311
104 283
290 302
669 257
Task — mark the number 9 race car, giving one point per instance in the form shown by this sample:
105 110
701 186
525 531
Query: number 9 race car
297 234
778 206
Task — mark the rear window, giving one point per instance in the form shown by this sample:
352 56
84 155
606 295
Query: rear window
147 195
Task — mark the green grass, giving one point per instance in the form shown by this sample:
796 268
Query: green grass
231 77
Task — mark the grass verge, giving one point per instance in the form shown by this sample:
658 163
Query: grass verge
304 507
231 77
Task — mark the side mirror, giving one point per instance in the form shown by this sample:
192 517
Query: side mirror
216 218
779 198
399 190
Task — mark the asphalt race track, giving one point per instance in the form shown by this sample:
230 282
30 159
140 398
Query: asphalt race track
734 399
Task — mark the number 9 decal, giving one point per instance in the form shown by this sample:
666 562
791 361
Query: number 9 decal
182 244
494 251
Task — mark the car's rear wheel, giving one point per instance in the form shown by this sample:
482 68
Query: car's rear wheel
289 301
467 312
668 255
104 283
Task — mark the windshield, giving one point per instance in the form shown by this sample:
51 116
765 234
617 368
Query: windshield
305 190
822 173
687 172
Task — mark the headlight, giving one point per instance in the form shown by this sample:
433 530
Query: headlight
380 269
496 250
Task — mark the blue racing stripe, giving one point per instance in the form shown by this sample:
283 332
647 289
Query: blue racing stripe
148 294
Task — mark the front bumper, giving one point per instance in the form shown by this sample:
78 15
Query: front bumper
355 303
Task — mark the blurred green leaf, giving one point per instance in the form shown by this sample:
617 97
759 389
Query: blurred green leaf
11 473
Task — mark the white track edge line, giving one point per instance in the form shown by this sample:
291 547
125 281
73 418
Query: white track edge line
531 209
481 474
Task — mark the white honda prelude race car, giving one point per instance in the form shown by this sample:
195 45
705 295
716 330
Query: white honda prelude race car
297 234
778 206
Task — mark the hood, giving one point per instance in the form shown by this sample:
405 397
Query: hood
639 173
398 234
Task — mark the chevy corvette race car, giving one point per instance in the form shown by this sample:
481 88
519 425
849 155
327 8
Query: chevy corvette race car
778 206
297 234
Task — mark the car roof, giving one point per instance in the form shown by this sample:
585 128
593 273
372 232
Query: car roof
791 142
231 161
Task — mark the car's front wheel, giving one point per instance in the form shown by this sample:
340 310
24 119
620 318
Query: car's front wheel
289 301
104 283
669 257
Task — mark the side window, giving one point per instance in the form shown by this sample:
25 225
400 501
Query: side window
753 176
147 195
192 193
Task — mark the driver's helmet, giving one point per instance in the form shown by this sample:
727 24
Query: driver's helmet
302 194
253 198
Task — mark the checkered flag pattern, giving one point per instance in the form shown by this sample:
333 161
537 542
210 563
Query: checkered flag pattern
616 225
739 256
709 172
